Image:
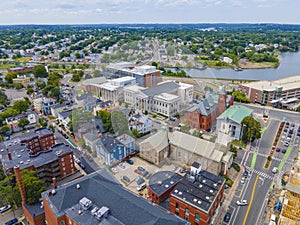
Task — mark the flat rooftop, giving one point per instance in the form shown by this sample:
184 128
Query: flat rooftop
166 97
200 190
287 83
20 155
162 181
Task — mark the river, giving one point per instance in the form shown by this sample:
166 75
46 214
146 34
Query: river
289 66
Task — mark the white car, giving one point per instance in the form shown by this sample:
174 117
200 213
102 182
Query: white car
243 180
275 170
5 208
242 202
141 187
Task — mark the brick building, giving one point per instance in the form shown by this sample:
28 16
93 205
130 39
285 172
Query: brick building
161 185
37 151
198 196
99 199
204 113
24 69
275 92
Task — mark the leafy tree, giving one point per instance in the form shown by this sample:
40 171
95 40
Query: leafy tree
4 129
185 129
119 122
10 76
240 97
3 99
106 119
40 84
40 71
251 129
21 106
29 90
42 122
23 122
197 133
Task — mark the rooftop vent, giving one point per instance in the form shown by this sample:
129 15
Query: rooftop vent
85 203
215 185
204 181
200 186
180 193
199 202
78 186
211 191
94 210
171 182
19 156
166 186
21 162
195 200
53 192
207 198
176 191
159 182
102 213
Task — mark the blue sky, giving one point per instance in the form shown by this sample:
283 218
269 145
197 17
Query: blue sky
148 11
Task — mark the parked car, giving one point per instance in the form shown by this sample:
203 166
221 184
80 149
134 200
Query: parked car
141 187
283 150
125 178
141 169
242 202
129 161
227 217
277 149
5 208
182 170
243 180
11 222
245 174
145 173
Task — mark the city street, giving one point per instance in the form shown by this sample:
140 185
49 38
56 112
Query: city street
260 180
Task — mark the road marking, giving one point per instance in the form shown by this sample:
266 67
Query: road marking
263 129
251 200
253 160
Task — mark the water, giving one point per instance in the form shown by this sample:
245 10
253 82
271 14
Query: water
289 66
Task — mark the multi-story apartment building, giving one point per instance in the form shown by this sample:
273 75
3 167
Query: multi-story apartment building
282 91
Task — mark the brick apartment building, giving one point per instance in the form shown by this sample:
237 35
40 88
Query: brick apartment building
198 196
204 113
24 69
38 151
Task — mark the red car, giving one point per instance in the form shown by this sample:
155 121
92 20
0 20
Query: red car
277 149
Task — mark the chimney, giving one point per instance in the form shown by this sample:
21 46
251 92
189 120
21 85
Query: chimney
20 183
115 141
54 182
124 136
8 154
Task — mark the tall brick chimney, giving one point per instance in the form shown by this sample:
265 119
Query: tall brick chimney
54 182
221 102
20 183
8 154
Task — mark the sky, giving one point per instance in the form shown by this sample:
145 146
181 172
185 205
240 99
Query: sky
148 11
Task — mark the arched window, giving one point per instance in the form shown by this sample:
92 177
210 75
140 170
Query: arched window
197 216
62 222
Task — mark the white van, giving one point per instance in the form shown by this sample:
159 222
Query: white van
141 187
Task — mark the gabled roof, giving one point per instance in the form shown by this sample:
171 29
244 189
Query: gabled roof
103 190
236 113
158 141
196 145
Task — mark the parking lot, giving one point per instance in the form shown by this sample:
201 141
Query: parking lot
137 169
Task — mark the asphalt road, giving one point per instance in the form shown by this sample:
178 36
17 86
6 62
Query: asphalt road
259 189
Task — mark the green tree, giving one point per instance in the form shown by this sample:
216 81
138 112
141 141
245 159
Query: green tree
23 122
106 119
119 123
185 129
4 129
10 76
40 71
251 129
21 106
42 122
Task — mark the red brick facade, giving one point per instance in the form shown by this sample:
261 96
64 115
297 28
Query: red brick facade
152 79
37 220
153 197
66 165
39 143
193 214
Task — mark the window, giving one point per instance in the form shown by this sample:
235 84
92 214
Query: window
187 211
177 205
62 222
197 217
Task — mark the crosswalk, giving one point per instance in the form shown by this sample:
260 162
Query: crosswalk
261 174
275 158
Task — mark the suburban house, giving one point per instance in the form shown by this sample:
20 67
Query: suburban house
142 123
204 113
13 122
91 141
229 124
166 98
64 118
24 80
47 104
185 149
111 149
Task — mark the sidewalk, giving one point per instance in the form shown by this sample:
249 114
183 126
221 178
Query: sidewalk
229 196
